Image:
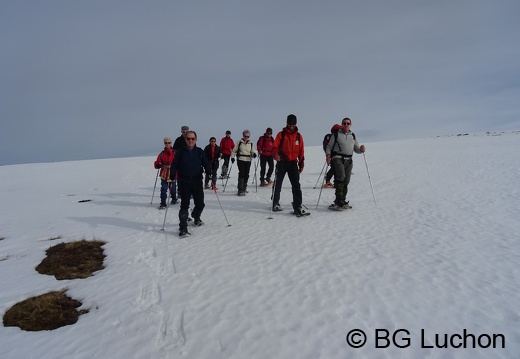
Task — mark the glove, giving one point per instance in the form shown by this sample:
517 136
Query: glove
301 164
254 155
157 165
232 160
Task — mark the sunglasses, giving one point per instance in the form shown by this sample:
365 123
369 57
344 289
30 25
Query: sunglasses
246 136
345 123
190 138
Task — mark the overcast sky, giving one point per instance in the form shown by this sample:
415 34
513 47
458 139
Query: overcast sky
98 79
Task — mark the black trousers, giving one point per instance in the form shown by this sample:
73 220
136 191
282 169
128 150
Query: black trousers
214 171
225 166
244 167
291 169
266 160
187 189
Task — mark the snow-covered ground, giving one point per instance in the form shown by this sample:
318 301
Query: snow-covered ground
439 255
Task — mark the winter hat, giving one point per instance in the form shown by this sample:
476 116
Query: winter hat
291 119
269 130
167 139
185 128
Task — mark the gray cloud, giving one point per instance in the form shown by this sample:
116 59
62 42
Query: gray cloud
108 79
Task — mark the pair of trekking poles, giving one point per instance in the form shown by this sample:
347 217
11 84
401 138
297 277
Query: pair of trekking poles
168 202
254 181
327 166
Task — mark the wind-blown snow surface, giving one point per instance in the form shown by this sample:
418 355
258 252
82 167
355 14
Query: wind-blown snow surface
440 252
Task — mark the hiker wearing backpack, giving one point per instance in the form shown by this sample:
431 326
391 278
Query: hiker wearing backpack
330 172
163 163
288 151
244 153
189 163
339 151
212 152
264 146
226 147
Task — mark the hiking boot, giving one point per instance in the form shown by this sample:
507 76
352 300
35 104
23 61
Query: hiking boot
277 208
263 184
198 222
174 201
207 186
162 205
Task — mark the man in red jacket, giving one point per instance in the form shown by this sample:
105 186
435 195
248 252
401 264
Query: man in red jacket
226 146
264 146
288 151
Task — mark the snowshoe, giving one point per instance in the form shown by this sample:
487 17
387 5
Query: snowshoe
162 206
183 232
335 207
300 212
346 205
197 222
277 208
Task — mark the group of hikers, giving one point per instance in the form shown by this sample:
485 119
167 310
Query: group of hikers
182 165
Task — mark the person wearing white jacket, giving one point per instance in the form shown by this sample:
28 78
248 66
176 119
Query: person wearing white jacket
244 153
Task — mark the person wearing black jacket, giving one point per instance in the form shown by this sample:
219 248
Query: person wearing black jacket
180 141
190 163
212 152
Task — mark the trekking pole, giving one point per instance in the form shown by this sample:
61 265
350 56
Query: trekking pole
228 174
218 199
321 189
255 180
256 166
155 185
272 192
320 174
369 179
167 206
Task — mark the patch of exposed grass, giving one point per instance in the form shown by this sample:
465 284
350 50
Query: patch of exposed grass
73 260
54 238
45 312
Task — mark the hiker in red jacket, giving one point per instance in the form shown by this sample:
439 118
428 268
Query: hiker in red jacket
163 162
264 146
212 152
288 151
226 146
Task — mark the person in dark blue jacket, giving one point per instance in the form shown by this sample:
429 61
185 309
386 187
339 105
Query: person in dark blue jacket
190 163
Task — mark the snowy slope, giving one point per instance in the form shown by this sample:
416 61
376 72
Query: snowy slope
439 254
